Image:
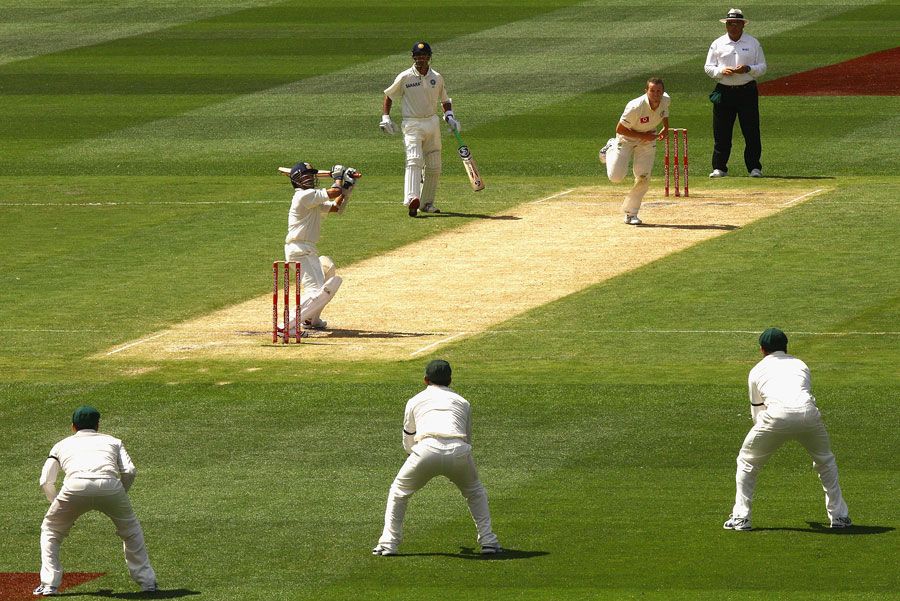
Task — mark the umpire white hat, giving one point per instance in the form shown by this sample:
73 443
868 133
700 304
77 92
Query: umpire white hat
734 14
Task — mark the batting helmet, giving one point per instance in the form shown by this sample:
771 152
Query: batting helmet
299 170
421 48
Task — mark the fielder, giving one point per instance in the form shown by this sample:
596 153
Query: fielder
419 89
308 205
98 474
437 435
636 137
783 408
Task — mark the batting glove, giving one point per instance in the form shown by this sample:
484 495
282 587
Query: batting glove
450 118
387 126
337 171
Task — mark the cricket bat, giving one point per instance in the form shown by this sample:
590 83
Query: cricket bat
469 164
287 171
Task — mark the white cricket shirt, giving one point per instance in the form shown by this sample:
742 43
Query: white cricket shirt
437 412
419 94
781 381
305 215
89 454
638 115
725 53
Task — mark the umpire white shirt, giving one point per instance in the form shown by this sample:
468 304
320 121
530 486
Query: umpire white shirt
87 455
638 115
436 412
305 215
419 94
780 382
725 53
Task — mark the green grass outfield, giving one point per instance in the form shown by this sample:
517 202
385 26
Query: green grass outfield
137 190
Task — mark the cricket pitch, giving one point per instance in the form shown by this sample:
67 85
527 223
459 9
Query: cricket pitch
410 302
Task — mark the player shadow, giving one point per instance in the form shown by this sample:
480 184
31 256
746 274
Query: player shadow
820 528
470 553
339 333
469 215
312 335
174 593
676 226
798 177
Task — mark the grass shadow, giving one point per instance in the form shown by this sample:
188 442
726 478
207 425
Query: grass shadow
673 226
820 528
798 177
470 553
468 215
174 593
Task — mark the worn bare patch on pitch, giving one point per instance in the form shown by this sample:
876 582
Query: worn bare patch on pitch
411 301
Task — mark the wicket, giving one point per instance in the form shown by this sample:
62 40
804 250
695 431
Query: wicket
678 168
286 335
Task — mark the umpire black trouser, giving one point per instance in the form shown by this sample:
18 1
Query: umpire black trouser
741 102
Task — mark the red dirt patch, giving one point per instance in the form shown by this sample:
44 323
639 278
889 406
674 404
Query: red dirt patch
17 586
876 74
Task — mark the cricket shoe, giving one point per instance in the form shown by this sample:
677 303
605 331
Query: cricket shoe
632 220
733 523
843 522
383 550
718 173
491 549
316 324
756 173
605 149
44 590
291 333
413 207
150 588
430 208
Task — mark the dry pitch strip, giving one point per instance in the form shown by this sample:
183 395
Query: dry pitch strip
413 300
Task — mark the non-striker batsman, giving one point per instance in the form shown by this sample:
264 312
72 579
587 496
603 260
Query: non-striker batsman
419 90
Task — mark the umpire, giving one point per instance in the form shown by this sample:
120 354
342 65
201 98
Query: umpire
736 60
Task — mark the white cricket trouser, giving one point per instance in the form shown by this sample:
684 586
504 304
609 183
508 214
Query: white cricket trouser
437 457
772 429
617 159
422 139
315 293
78 496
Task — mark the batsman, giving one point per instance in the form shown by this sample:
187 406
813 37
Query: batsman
419 89
308 205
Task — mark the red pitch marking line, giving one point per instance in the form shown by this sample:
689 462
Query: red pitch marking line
17 586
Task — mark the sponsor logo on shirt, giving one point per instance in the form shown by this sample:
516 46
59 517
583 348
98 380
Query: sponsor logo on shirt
645 119
414 84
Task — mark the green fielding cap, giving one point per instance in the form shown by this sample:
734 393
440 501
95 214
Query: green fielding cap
773 340
438 372
86 417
